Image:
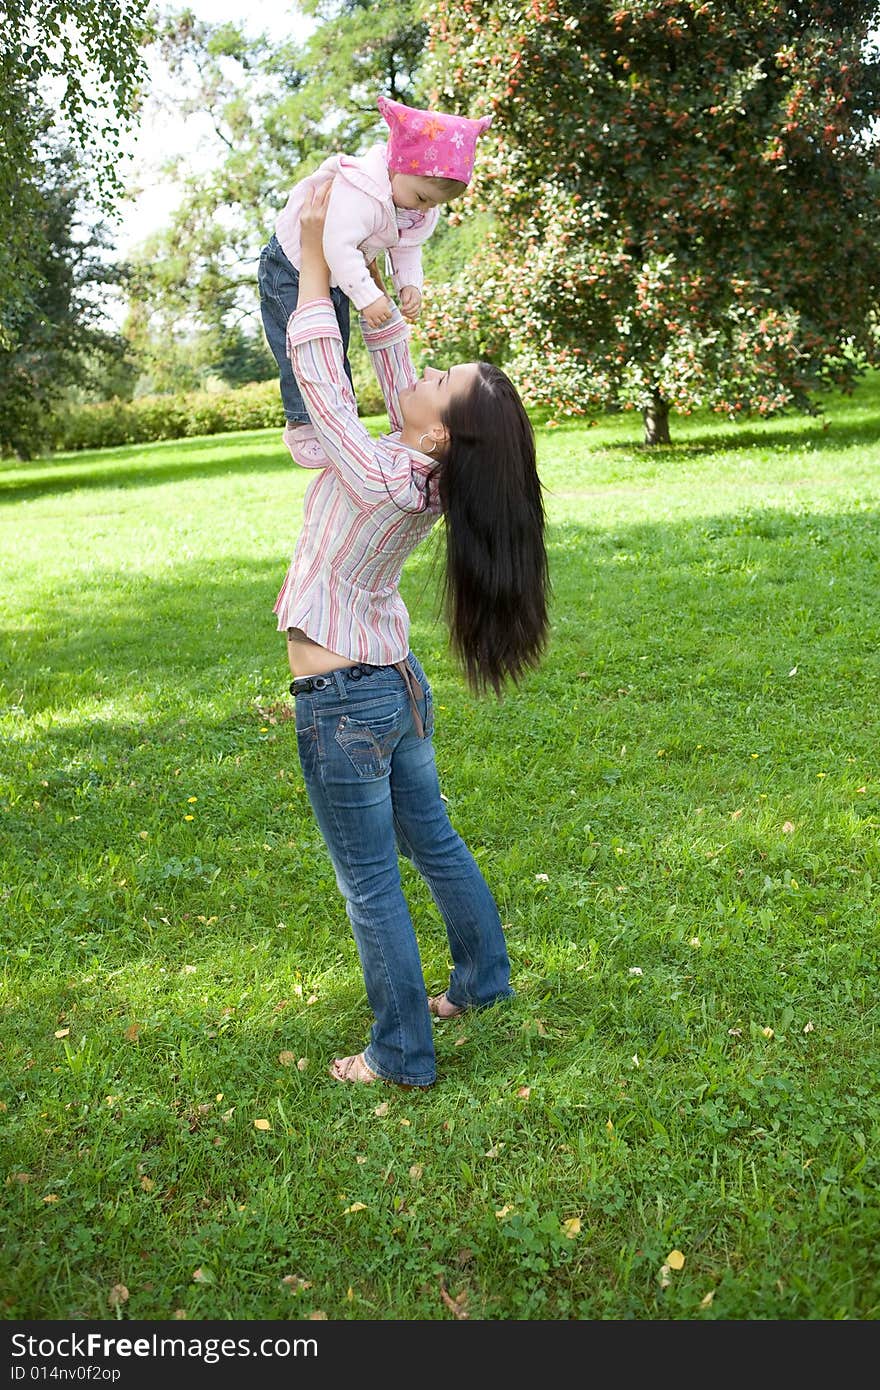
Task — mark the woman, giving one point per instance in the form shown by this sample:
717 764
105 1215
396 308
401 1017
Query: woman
462 446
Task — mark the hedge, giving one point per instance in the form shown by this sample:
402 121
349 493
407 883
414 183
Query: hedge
148 418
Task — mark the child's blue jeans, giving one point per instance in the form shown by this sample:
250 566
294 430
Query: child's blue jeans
278 281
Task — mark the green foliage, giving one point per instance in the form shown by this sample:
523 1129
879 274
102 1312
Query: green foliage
92 47
678 816
106 424
60 336
180 415
684 197
277 109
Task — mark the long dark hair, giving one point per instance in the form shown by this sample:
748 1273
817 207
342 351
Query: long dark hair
496 583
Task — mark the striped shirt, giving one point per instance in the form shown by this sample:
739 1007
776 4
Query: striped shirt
367 509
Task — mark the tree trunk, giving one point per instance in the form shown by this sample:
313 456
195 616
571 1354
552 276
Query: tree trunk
656 418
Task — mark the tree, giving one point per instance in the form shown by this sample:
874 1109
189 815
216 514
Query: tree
85 53
62 341
684 198
275 112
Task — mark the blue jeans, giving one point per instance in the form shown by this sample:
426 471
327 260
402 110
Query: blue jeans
372 783
278 282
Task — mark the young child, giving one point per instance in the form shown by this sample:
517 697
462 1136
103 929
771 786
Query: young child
385 200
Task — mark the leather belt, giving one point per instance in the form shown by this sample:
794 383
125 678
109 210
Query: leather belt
305 685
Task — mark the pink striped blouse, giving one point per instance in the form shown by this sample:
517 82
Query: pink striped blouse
364 512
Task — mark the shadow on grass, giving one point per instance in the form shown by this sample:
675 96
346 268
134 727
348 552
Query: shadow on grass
257 451
848 421
252 451
731 586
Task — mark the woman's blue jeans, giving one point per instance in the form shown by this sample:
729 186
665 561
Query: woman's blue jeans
372 783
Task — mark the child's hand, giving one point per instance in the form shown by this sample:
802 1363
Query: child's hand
410 302
378 312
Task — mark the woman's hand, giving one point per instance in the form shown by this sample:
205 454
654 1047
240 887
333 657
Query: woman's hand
313 217
314 273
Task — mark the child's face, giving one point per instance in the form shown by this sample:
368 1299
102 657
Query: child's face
417 191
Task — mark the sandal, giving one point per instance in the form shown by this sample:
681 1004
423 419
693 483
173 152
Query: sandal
353 1069
356 1069
440 1007
302 441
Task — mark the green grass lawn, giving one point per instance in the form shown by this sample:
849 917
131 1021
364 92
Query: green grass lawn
678 815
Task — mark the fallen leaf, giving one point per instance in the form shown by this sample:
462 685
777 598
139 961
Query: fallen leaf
302 1064
735 815
262 1124
706 1300
788 827
494 1151
147 1184
355 1206
459 1042
665 1279
51 1197
318 1316
382 1109
360 1158
131 1033
524 1092
118 1294
572 1227
61 1032
179 1314
675 1259
504 1211
416 1171
287 1059
202 1276
768 1032
809 1026
406 1123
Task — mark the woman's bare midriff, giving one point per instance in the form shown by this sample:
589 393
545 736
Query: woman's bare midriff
308 658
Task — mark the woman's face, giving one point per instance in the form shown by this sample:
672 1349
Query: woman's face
424 404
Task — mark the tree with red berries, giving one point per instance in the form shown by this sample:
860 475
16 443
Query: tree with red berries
682 199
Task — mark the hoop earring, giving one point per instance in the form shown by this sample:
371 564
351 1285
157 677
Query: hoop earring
433 444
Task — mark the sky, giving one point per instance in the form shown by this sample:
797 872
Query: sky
159 133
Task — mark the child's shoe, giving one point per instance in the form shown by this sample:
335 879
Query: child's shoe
302 441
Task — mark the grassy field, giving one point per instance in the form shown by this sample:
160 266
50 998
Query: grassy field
676 1117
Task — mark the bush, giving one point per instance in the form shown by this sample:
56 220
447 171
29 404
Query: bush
149 418
141 421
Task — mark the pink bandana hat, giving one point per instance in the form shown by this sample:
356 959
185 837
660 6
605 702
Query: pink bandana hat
431 143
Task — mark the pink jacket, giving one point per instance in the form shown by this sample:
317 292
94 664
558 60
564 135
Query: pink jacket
362 220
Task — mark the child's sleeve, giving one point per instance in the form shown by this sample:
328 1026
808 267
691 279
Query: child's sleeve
352 217
388 347
314 345
406 256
